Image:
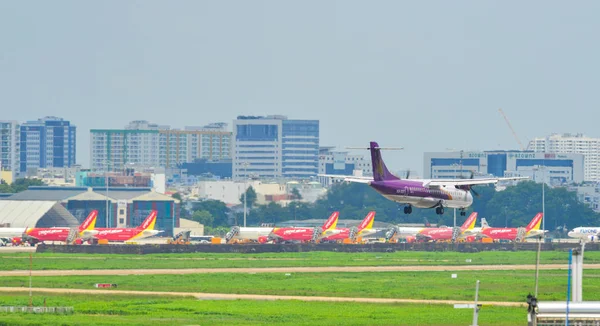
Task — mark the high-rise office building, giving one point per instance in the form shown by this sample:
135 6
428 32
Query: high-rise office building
573 143
9 146
553 169
342 163
275 147
46 143
151 145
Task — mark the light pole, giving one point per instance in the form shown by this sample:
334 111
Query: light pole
245 164
543 168
454 217
106 183
543 200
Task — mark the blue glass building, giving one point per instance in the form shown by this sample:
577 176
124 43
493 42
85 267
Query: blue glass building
275 147
47 142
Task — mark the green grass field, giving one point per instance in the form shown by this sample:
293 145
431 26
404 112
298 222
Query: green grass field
131 310
495 285
45 261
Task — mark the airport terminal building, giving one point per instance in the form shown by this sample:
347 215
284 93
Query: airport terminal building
554 169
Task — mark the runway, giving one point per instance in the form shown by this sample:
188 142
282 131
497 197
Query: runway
221 296
332 269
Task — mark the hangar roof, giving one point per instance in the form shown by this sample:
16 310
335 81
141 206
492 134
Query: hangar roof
122 192
89 195
47 193
35 213
155 196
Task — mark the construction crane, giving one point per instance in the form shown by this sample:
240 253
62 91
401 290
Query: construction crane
511 129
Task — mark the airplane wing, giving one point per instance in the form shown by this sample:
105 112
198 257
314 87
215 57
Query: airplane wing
467 182
88 234
349 178
425 237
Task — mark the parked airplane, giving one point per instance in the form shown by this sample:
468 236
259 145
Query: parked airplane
304 233
258 234
421 193
531 230
35 235
436 234
447 233
145 230
363 229
589 233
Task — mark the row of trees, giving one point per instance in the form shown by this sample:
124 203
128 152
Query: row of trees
512 207
19 185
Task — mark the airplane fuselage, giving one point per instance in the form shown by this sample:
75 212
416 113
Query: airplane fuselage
436 234
344 233
293 234
252 233
49 234
403 232
585 233
413 193
123 234
11 232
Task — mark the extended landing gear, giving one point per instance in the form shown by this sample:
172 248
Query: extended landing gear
407 209
439 210
462 212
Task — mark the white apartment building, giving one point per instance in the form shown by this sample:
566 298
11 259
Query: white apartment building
147 145
9 146
573 143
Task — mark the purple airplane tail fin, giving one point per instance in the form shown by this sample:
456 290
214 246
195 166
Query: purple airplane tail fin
380 171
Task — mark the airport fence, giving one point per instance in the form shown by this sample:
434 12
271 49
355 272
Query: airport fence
305 247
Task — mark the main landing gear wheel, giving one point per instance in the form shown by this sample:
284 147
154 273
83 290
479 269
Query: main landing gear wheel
439 210
407 209
463 213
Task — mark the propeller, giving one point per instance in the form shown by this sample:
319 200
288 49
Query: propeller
470 187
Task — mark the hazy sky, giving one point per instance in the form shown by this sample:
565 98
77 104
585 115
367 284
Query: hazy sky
425 75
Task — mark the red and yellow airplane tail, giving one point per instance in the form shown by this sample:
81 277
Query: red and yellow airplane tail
331 222
367 223
469 222
89 223
535 223
149 222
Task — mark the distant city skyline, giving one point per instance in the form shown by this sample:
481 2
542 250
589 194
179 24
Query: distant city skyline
426 76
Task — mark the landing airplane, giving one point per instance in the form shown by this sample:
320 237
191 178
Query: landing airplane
420 193
531 230
305 234
589 233
35 235
145 230
363 229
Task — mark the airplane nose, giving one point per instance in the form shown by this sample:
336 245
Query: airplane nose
571 234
